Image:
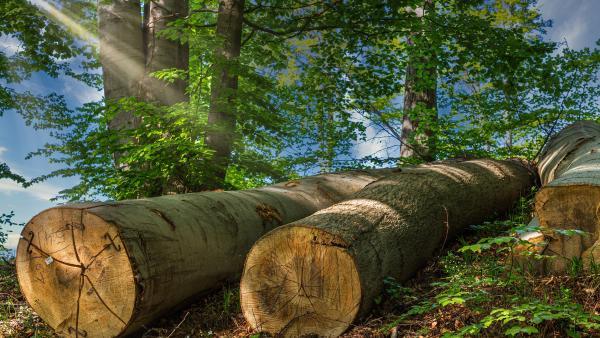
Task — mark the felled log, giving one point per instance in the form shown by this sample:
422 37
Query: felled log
105 269
569 199
315 276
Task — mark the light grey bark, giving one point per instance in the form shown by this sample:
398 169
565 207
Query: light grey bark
220 135
144 257
121 54
315 276
569 168
162 53
131 49
420 99
419 107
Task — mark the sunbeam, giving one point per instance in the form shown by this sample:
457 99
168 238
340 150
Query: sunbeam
112 47
58 16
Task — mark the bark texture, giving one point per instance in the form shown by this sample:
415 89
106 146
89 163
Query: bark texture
220 135
121 54
131 48
419 104
315 276
569 199
105 269
162 53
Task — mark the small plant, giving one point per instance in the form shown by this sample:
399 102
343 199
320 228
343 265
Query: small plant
482 292
6 220
230 298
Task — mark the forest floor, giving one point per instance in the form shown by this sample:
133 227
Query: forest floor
473 288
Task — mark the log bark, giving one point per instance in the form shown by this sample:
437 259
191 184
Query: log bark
105 269
569 169
317 275
220 135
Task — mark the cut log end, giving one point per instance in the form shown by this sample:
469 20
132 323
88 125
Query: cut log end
299 281
570 207
75 273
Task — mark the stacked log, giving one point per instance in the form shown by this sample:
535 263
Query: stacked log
569 169
106 269
317 275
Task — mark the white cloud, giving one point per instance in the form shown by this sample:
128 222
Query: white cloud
43 191
9 45
377 143
371 146
12 241
81 92
574 21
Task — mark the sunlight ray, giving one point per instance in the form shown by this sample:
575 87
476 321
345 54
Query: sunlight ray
127 68
58 16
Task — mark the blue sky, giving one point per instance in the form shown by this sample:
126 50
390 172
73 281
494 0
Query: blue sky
574 21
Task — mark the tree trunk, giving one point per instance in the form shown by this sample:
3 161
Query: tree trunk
130 51
326 144
420 102
105 269
569 169
317 275
220 135
162 53
419 106
121 55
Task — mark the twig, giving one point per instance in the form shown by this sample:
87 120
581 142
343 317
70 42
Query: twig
178 325
7 261
395 134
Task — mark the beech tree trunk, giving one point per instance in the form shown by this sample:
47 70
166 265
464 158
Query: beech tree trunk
121 55
106 269
220 135
162 53
419 108
131 49
569 199
420 99
315 276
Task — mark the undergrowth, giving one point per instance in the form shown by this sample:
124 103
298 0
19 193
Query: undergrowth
478 289
475 288
16 317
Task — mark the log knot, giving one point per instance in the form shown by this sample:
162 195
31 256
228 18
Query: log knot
268 214
164 217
